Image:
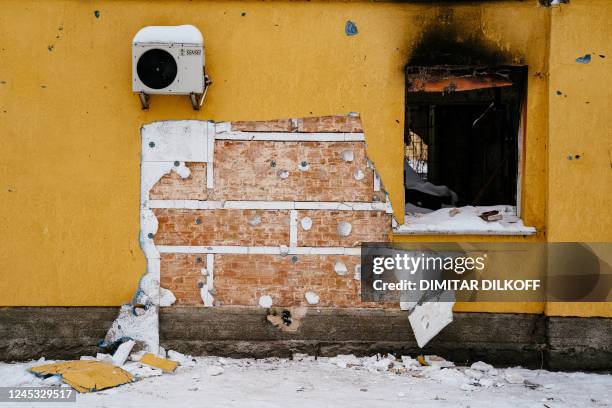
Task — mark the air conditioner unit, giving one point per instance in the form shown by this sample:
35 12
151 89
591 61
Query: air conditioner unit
169 60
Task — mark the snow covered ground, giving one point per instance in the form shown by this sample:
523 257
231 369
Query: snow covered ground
344 381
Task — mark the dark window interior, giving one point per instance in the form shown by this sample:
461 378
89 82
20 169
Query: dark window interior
462 133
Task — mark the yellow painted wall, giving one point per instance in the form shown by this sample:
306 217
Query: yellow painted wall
69 124
580 190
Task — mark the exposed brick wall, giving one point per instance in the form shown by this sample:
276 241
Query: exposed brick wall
242 279
342 124
173 187
181 273
281 125
221 227
319 124
250 171
367 226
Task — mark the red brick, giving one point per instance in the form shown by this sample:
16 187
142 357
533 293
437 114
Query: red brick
221 227
173 187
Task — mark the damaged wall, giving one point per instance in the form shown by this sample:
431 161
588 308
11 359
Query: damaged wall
279 215
74 169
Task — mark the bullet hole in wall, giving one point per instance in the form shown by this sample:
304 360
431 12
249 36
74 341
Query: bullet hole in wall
286 316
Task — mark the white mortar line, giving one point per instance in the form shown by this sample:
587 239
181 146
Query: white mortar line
210 171
291 136
254 250
376 181
268 205
210 267
293 231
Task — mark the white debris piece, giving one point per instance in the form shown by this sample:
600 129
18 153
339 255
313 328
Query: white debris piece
122 352
87 358
344 228
345 360
358 175
513 377
265 301
410 362
481 366
475 374
254 221
137 355
486 382
467 387
105 358
340 268
348 155
437 361
161 352
166 297
182 359
141 370
312 298
428 319
214 370
306 223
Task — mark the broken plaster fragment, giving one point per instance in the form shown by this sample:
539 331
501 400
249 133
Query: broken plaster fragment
348 155
214 370
265 301
359 175
254 221
344 228
312 298
340 268
306 223
428 319
283 174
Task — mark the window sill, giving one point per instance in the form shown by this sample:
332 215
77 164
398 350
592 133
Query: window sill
465 222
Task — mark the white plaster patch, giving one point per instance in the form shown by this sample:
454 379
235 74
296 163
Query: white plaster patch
143 327
206 296
254 221
359 175
306 223
265 301
348 155
184 140
283 174
340 268
312 298
166 297
344 228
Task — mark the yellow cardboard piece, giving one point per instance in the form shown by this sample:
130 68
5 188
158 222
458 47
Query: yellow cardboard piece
164 364
86 375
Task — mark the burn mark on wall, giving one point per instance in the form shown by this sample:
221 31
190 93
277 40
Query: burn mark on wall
445 41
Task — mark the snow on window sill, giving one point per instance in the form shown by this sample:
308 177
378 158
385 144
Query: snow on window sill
465 221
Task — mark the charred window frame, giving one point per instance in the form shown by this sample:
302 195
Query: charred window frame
464 131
